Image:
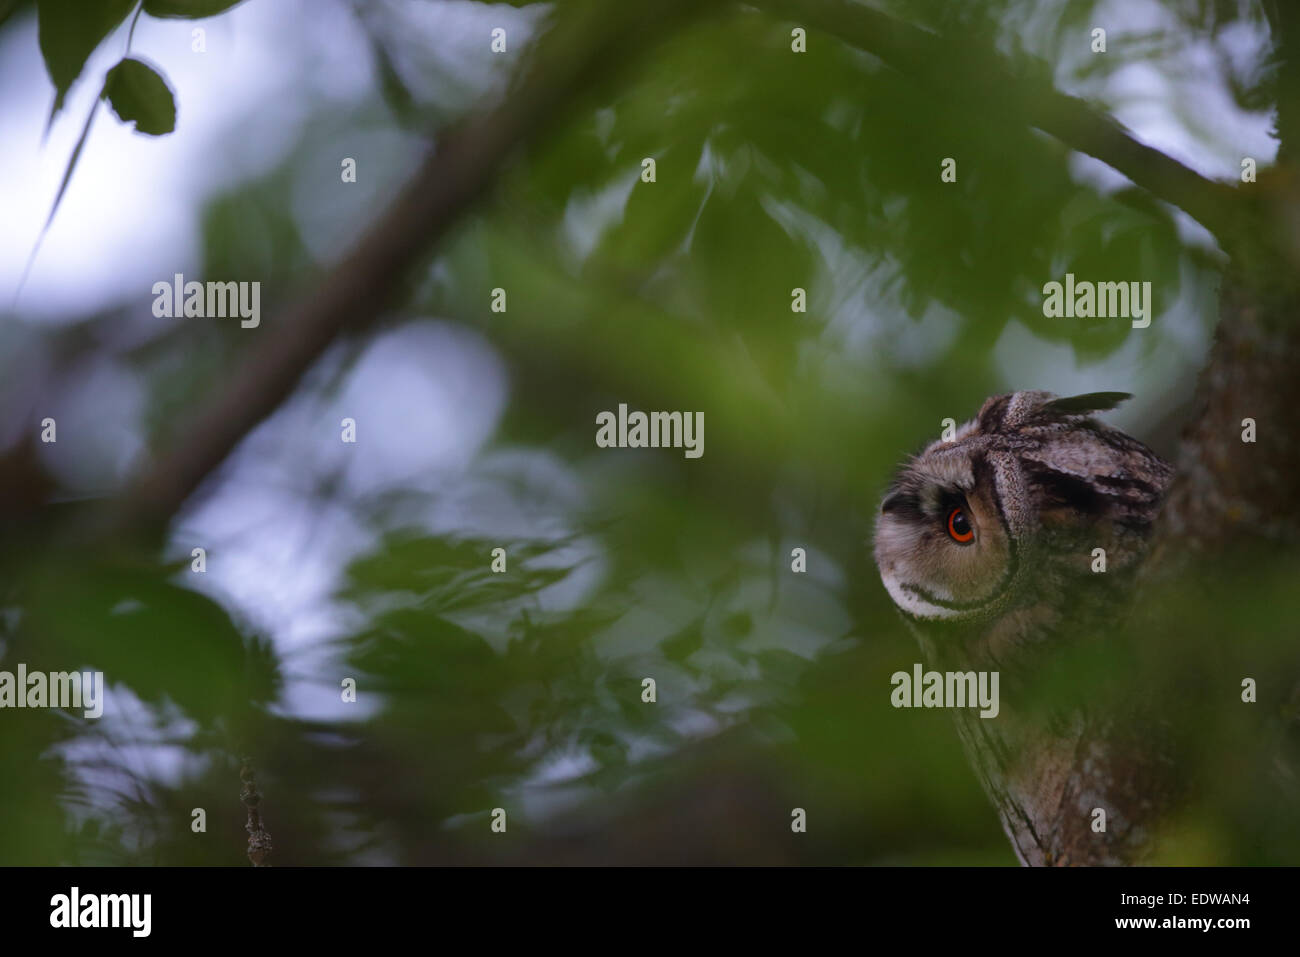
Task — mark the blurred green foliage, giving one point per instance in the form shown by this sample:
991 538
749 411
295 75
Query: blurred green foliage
523 690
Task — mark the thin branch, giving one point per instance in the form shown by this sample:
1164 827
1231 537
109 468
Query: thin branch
259 839
130 36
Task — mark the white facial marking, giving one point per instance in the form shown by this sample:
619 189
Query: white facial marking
912 603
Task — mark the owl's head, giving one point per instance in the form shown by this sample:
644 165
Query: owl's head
1013 505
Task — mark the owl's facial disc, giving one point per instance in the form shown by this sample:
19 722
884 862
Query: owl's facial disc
942 545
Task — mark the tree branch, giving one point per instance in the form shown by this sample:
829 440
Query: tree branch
580 50
957 70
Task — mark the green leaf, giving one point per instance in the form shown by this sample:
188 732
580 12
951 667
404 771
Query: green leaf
137 92
187 9
69 31
163 640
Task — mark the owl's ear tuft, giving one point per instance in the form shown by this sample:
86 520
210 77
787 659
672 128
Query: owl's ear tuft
1083 404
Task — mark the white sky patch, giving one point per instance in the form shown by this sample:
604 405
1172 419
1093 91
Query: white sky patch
1177 101
131 211
425 398
97 411
590 213
137 736
459 32
1147 369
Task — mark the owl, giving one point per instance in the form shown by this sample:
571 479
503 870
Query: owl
1020 535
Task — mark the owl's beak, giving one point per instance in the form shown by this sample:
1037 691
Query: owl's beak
891 502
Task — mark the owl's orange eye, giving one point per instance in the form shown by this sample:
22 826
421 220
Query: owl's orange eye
959 527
